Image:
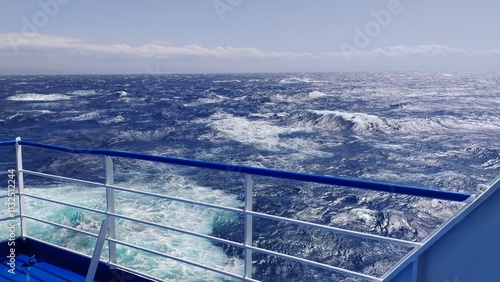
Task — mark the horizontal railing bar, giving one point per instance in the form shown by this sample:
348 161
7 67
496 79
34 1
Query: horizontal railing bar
199 235
9 218
369 236
303 223
134 191
337 230
317 264
60 225
89 257
236 244
177 259
7 143
330 180
236 210
41 174
65 204
7 196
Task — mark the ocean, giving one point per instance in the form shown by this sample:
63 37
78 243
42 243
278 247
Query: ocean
436 130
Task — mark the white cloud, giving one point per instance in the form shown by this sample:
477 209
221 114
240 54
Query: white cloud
407 51
38 53
26 42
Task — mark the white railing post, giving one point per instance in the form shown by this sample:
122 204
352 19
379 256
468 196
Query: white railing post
248 225
20 185
110 202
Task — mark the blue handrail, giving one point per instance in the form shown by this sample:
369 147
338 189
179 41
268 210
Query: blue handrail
330 180
7 143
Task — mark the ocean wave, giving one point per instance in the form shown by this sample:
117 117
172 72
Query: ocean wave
82 92
387 222
492 163
86 116
298 98
316 94
259 132
290 80
121 136
337 120
117 119
121 93
445 124
38 97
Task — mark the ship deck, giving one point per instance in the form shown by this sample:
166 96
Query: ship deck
37 261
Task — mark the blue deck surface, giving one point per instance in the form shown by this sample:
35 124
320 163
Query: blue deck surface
39 271
53 265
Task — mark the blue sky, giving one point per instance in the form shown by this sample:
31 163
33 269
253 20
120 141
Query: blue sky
178 36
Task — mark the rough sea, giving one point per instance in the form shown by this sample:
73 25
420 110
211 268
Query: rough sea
436 130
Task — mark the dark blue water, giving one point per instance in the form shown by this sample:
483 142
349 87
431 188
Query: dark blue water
436 130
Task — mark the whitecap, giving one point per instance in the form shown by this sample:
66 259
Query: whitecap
297 80
116 119
86 116
38 97
316 94
259 131
293 80
338 120
82 92
121 93
492 163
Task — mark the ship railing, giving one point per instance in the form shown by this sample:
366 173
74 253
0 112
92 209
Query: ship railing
108 230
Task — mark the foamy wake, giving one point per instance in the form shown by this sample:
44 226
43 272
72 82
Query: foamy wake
179 215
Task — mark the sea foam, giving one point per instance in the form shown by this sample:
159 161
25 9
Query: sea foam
38 97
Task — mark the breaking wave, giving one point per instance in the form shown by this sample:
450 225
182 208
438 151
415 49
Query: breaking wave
338 121
38 97
82 92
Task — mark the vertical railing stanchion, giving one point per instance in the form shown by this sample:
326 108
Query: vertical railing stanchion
248 225
110 201
20 185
